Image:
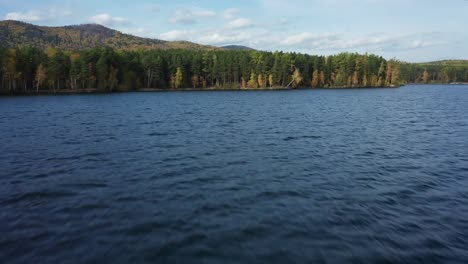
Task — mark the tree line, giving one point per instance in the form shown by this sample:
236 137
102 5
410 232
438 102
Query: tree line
29 69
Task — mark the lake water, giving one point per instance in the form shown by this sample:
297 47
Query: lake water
312 176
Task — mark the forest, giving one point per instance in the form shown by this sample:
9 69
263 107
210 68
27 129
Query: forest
31 70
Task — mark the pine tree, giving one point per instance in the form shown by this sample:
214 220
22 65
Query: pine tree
41 76
75 70
102 72
112 82
9 69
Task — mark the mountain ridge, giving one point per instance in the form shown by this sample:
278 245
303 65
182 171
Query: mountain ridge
78 37
14 34
236 47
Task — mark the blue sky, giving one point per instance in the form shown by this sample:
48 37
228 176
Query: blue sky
410 30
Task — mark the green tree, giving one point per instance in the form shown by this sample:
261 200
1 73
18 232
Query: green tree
41 77
102 70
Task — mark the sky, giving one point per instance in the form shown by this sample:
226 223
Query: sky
408 30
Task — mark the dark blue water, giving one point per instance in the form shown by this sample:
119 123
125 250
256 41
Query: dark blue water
316 176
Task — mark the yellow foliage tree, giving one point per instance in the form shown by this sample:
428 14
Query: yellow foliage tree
243 83
261 80
322 79
355 79
195 81
41 76
315 79
179 78
396 76
425 77
297 78
252 83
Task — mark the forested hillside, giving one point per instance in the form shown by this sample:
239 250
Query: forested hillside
105 69
236 47
15 34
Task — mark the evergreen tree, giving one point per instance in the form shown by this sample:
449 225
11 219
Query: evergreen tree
30 69
102 70
41 77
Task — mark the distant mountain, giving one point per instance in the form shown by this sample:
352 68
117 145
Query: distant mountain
236 47
17 34
453 63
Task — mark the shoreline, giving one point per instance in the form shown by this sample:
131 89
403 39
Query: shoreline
156 90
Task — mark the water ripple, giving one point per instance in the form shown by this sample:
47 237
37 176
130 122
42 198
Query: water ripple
355 176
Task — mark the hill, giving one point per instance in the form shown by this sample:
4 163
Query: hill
236 47
452 63
78 37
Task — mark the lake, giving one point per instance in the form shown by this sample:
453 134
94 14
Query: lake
305 176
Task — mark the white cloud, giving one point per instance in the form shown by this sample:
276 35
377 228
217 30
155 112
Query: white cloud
230 13
407 46
376 42
183 17
306 38
420 44
138 31
30 16
38 15
204 13
190 16
240 23
361 41
221 38
108 20
177 35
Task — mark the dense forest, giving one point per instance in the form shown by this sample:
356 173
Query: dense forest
29 69
455 71
105 69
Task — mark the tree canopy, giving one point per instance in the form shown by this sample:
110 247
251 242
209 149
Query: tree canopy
105 69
